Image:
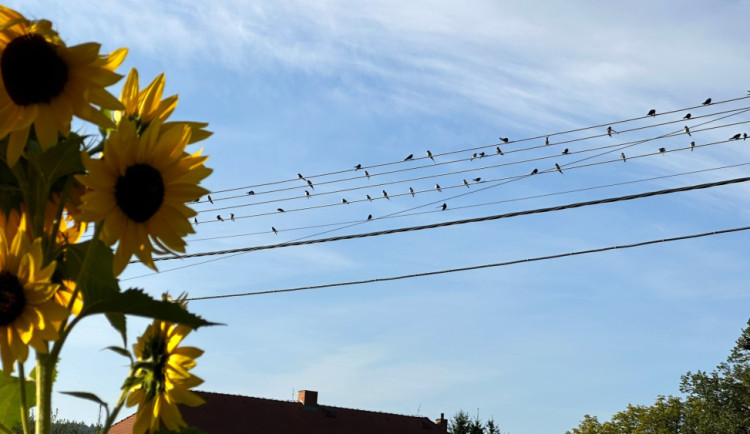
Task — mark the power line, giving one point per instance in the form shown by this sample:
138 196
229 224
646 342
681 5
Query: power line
458 222
475 267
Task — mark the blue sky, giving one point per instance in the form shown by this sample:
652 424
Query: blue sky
316 87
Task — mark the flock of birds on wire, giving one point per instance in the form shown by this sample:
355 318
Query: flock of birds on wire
467 183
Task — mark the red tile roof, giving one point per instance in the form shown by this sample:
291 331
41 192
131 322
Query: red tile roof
233 414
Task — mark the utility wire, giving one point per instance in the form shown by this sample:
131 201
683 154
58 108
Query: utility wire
475 267
459 222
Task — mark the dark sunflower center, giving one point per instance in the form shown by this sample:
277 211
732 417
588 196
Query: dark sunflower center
140 193
32 71
12 300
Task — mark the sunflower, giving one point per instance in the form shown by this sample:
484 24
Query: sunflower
44 83
146 105
28 311
139 189
164 380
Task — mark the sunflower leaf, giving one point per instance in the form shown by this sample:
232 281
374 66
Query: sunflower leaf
87 395
121 351
10 399
119 322
60 160
97 282
136 302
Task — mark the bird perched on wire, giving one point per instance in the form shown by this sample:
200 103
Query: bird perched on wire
498 150
197 200
565 152
299 175
466 183
535 171
610 131
218 217
504 139
744 136
736 136
231 216
477 179
280 209
307 194
274 230
445 206
251 192
437 187
195 220
557 166
368 197
546 141
481 155
692 146
344 201
409 157
662 150
369 217
687 116
473 156
429 155
707 101
367 174
310 184
209 199
687 131
411 190
385 195
357 167
651 112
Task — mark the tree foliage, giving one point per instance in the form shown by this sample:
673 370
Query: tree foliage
715 402
463 424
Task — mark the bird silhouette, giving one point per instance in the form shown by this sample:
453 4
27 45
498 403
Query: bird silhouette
504 139
498 150
473 156
411 190
310 184
280 209
687 116
481 155
736 136
744 136
299 175
651 112
357 167
195 220
218 217
535 171
707 101
437 187
557 166
687 131
344 201
622 155
197 200
565 152
466 183
274 230
368 197
231 216
307 194
477 179
369 217
209 199
409 157
251 192
385 195
692 146
662 150
546 141
429 154
445 206
610 131
367 175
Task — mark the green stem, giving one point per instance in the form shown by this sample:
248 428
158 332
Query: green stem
5 429
58 217
44 368
120 402
24 405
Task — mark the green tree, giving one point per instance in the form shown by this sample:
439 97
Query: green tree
491 428
461 423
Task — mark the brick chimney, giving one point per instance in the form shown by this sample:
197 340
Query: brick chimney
442 422
308 398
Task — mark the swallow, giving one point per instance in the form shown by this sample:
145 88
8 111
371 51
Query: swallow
274 230
622 155
197 200
369 217
209 199
692 145
466 184
367 175
707 101
251 192
504 139
736 136
411 190
473 157
429 155
610 131
409 157
557 166
437 187
546 141
498 150
299 175
307 194
368 197
357 167
280 209
310 184
477 179
445 206
195 220
218 217
231 216
385 195
481 155
687 131
535 171
651 112
662 150
565 152
687 116
744 136
344 201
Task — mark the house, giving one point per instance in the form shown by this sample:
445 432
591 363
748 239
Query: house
234 414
